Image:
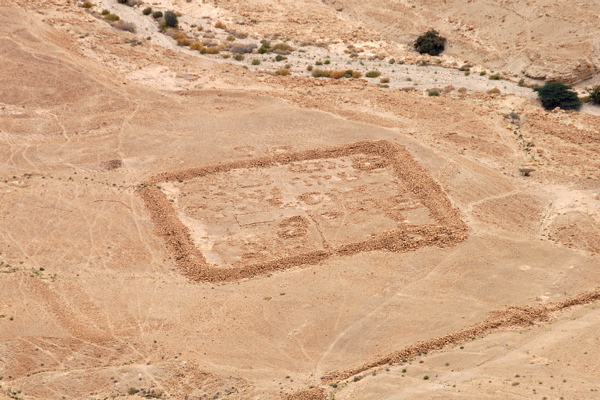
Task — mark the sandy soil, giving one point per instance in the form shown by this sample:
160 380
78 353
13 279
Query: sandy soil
174 225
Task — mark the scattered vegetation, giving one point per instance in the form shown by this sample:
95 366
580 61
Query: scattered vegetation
594 94
125 26
433 92
87 4
111 17
105 12
373 74
494 77
430 43
494 91
242 48
556 94
219 25
238 57
157 14
256 61
147 11
384 80
282 72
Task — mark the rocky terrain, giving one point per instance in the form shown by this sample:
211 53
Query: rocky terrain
196 213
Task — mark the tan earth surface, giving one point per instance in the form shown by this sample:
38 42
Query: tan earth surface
194 226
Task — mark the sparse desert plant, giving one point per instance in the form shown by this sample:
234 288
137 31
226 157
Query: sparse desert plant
264 47
147 11
231 38
196 46
157 14
526 171
433 92
467 73
384 80
319 62
494 91
448 89
238 57
430 43
556 94
320 73
309 68
125 26
210 50
171 19
482 73
426 377
462 90
327 62
279 57
282 72
243 48
494 77
465 67
337 74
87 4
373 74
111 17
281 48
220 25
594 94
356 74
256 61
105 12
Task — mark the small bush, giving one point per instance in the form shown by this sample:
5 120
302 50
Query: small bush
230 38
594 96
282 72
356 74
87 4
210 50
494 91
157 14
219 25
105 12
125 26
426 377
482 73
319 63
282 48
238 57
196 46
184 42
337 74
243 48
279 57
384 80
171 19
111 17
256 61
430 43
319 73
433 92
327 62
465 67
494 77
556 94
309 68
467 73
147 11
373 74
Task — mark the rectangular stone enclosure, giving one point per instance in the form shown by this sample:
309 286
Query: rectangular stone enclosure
235 220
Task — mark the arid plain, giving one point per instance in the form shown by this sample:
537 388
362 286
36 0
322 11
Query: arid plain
182 225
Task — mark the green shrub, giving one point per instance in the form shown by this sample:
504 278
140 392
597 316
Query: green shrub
309 68
111 17
256 61
594 96
239 57
373 74
147 11
384 80
494 77
430 43
319 73
282 72
157 14
264 48
279 57
105 12
171 19
433 92
87 4
482 73
327 62
230 38
556 94
282 48
319 63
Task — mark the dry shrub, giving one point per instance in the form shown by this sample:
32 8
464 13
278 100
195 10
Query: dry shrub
373 74
337 74
111 17
320 73
282 72
184 42
125 26
243 48
462 90
282 48
87 4
384 80
494 91
196 46
210 50
356 74
219 25
448 89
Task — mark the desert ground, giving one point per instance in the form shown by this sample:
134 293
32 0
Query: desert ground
178 224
